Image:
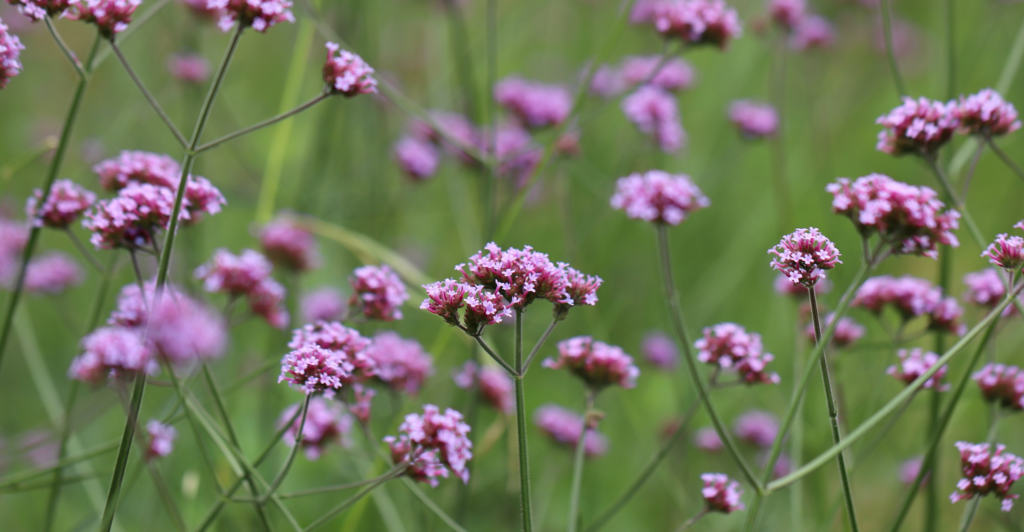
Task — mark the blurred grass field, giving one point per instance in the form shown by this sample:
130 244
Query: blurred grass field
336 165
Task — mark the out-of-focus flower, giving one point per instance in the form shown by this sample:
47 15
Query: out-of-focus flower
1003 384
986 113
236 275
787 14
597 363
658 196
260 14
161 439
132 218
912 297
117 352
804 255
362 399
314 369
52 273
346 73
946 317
655 113
518 156
674 73
202 9
607 81
267 300
755 120
812 32
909 470
326 423
986 288
910 217
707 439
565 427
535 104
110 16
37 9
419 159
400 363
454 126
13 237
917 127
433 444
65 204
189 68
847 331
290 245
730 346
720 493
324 304
1007 251
907 38
784 287
201 198
644 11
985 472
345 343
698 21
139 167
757 427
493 384
378 292
915 363
660 350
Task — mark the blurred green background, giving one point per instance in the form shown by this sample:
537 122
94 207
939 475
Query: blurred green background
336 164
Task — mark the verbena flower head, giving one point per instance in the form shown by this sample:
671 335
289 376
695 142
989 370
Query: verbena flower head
812 32
1007 251
232 274
755 120
787 14
362 399
110 16
345 343
493 384
597 363
658 197
202 9
698 21
189 68
139 167
37 9
465 305
757 427
400 363
644 11
730 346
161 439
346 73
847 331
434 444
52 274
521 276
706 439
914 363
201 199
518 156
13 238
314 369
259 14
535 104
804 255
132 218
565 427
378 292
784 287
419 159
918 127
985 472
946 317
986 113
675 73
660 350
453 125
267 300
655 113
10 51
66 203
910 468
115 352
721 494
986 288
324 304
581 288
290 245
326 423
608 82
1002 384
908 218
911 297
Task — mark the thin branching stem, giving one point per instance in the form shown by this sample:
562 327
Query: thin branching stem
392 474
268 122
276 483
84 251
970 170
1005 158
137 23
890 48
23 476
577 464
524 455
64 48
501 362
148 95
690 522
539 344
114 493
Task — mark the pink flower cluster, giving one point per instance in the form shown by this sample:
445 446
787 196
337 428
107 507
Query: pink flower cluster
52 273
260 14
188 68
325 304
37 9
696 21
755 120
706 439
730 346
132 218
986 113
110 16
138 166
347 349
433 444
757 427
418 158
378 292
479 307
362 399
985 472
290 245
13 237
1007 251
911 297
910 468
674 74
246 275
326 423
565 427
847 331
117 352
161 439
812 32
400 363
784 287
492 384
787 14
655 113
908 218
65 204
1003 384
660 350
804 255
915 363
10 51
534 104
986 288
597 363
314 369
658 197
346 73
918 126
721 494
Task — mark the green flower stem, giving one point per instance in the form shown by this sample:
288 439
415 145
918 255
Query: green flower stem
461 48
268 122
690 522
431 505
501 362
969 512
577 465
148 95
89 257
947 187
276 483
1004 157
524 455
676 314
51 176
833 414
329 489
890 51
539 344
24 476
166 496
970 169
107 520
137 22
64 48
392 474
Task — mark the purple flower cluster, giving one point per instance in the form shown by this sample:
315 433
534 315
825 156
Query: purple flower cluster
400 363
13 237
757 427
418 158
787 14
346 73
565 427
847 331
720 493
246 275
1003 384
706 439
908 218
755 120
597 363
804 255
986 113
117 352
314 369
918 126
534 104
660 350
986 288
1007 251
259 14
110 16
695 22
326 423
911 297
10 51
658 197
986 472
812 32
655 113
132 218
52 273
362 399
915 363
140 167
289 245
674 74
347 349
492 384
324 304
65 204
730 346
784 287
378 292
433 444
161 439
37 9
188 68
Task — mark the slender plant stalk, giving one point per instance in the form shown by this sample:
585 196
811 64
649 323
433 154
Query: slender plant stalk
324 489
166 496
947 187
334 512
796 447
268 122
539 344
524 455
461 55
951 69
1005 158
431 505
89 257
577 465
276 483
969 512
148 95
690 522
137 22
833 414
107 520
890 50
24 476
676 314
64 48
501 362
970 170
